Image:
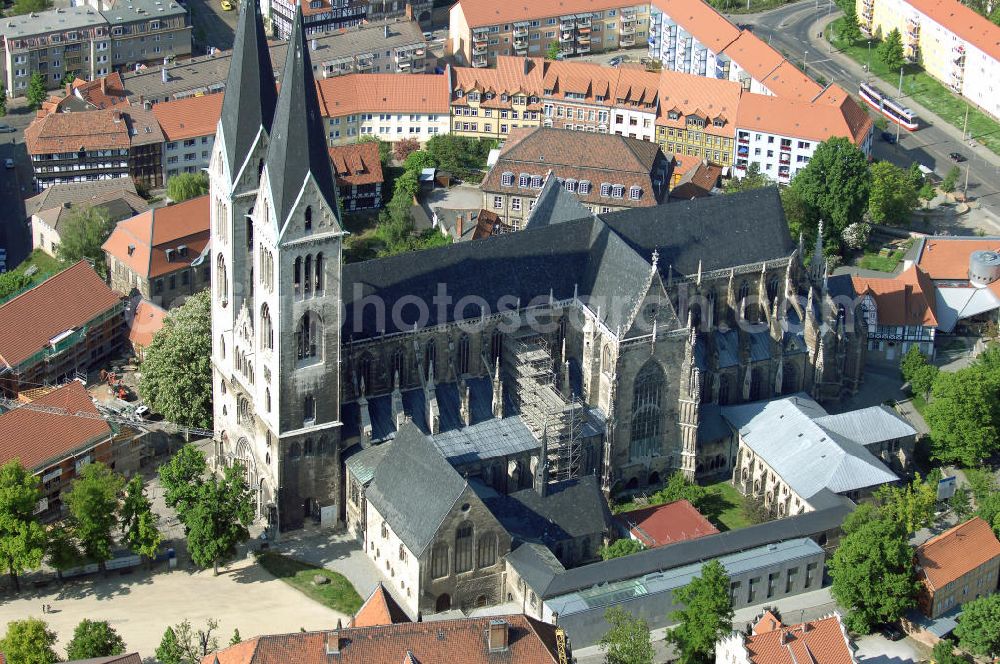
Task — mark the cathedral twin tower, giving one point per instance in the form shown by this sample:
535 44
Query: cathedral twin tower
277 243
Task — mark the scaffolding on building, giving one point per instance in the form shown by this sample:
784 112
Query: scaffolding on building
551 415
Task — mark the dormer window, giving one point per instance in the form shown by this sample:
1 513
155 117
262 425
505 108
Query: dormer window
584 187
570 185
605 189
719 122
536 182
507 179
459 93
618 191
523 179
673 115
634 192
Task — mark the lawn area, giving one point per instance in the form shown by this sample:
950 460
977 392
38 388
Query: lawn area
47 266
724 507
923 89
339 594
875 261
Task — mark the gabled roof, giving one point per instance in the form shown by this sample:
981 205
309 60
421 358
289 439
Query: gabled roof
131 658
142 242
511 75
822 641
415 510
785 435
788 82
907 299
964 22
660 525
697 182
947 258
83 130
252 98
57 203
357 164
39 439
385 93
555 205
190 117
297 150
67 301
956 552
753 55
379 609
868 426
705 24
459 641
145 322
834 113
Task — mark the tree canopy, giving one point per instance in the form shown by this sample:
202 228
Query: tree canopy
873 574
978 628
93 506
628 640
910 506
21 7
138 522
384 148
83 235
753 179
183 186
22 538
219 518
890 51
621 547
850 31
36 93
964 414
94 638
182 477
894 194
679 487
12 282
177 371
706 617
29 641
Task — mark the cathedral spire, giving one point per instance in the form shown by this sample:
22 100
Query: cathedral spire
297 152
248 107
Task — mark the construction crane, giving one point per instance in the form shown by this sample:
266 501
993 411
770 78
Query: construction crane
169 427
561 645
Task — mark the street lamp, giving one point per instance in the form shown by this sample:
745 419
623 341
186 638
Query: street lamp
805 57
869 56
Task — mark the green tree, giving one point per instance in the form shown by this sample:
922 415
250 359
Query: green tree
911 506
463 156
944 653
753 179
170 650
403 148
893 196
3 100
850 30
950 180
21 7
138 522
417 161
927 192
753 510
911 362
834 185
679 487
628 640
177 371
182 478
873 575
219 519
93 505
94 638
184 186
22 538
83 236
36 93
236 638
62 550
384 148
29 641
890 51
864 513
621 547
706 617
182 644
961 503
12 282
923 380
963 415
978 628
552 51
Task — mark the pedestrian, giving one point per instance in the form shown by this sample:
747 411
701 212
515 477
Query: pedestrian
43 609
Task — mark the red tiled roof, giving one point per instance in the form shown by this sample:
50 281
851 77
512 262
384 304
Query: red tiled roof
489 12
146 322
461 641
948 258
707 97
83 130
964 22
908 299
142 241
788 82
507 77
666 524
822 641
831 114
753 55
39 439
956 552
189 117
357 163
384 93
104 92
379 609
705 24
66 301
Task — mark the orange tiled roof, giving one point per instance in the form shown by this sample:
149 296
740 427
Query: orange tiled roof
948 258
357 163
189 117
585 78
146 322
697 182
84 130
141 242
104 92
788 82
956 552
834 113
479 13
666 524
705 24
964 22
384 93
822 641
508 77
66 301
379 609
753 55
907 299
38 438
436 642
710 98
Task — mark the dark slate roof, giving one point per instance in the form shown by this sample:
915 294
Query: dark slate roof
664 558
569 509
535 564
599 257
555 205
362 461
414 488
711 425
298 140
251 96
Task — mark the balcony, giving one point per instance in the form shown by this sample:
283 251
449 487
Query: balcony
583 21
479 49
403 66
520 42
567 24
583 39
566 36
403 56
479 60
627 29
364 62
785 159
743 150
520 30
482 37
583 48
627 40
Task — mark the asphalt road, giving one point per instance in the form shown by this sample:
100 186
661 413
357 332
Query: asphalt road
212 27
793 30
15 184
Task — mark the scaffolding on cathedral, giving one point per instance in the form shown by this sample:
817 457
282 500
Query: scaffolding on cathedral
546 411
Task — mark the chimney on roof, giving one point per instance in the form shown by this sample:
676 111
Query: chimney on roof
408 11
527 65
314 44
499 634
131 249
69 89
165 75
385 31
104 85
333 641
459 225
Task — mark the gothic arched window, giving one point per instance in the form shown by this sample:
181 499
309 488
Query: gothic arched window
221 279
365 372
789 379
463 548
319 279
399 366
487 553
463 354
744 291
309 336
308 218
606 361
647 416
297 279
430 358
307 281
772 287
309 409
266 328
439 561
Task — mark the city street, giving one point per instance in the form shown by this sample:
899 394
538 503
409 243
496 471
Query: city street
15 183
213 27
794 29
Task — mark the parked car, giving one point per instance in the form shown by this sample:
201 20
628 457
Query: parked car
615 61
957 157
892 632
428 36
6 129
888 137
